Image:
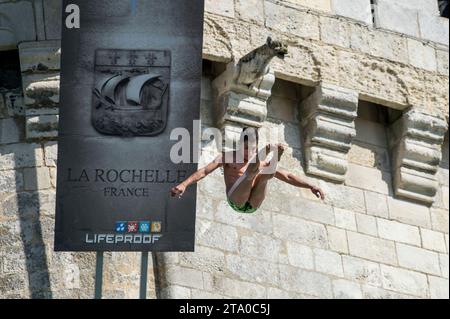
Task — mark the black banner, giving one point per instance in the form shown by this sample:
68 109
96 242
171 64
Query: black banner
130 74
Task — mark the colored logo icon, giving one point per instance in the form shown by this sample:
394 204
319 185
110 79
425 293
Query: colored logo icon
156 227
144 227
121 226
132 227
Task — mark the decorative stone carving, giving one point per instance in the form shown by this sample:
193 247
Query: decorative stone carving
131 96
243 89
327 120
40 66
415 141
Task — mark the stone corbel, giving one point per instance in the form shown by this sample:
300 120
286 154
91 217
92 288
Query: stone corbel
415 143
242 91
327 121
40 67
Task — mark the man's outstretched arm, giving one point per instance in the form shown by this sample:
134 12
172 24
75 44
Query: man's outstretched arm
294 180
197 176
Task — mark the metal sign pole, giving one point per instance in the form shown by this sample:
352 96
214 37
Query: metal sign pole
99 275
144 270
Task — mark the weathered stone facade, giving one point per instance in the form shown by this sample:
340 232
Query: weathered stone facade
361 101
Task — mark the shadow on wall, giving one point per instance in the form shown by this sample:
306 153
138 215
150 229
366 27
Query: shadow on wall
22 247
29 214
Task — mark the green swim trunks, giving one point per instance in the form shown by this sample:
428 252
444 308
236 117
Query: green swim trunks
246 208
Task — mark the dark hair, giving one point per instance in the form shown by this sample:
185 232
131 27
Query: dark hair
250 130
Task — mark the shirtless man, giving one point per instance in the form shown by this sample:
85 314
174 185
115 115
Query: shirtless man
245 177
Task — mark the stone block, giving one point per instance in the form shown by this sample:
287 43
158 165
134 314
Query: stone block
418 259
391 16
378 43
442 62
51 154
299 23
306 209
321 5
280 108
443 259
438 288
429 7
52 16
354 197
10 181
36 178
363 271
370 292
434 28
366 224
360 10
221 7
11 131
404 281
371 179
251 10
335 31
253 270
21 155
306 282
217 235
422 55
433 240
398 232
260 221
376 204
409 213
205 259
260 246
176 292
380 250
240 289
300 255
299 230
344 289
345 219
186 277
328 262
337 239
440 220
370 156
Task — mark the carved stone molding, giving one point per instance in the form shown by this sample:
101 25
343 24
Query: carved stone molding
242 91
327 120
415 141
40 67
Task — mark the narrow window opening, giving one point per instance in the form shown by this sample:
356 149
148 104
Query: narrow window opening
10 70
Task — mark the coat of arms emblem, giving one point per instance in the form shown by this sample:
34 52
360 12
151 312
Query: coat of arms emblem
131 93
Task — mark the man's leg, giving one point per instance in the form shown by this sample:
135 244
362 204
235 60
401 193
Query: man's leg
259 190
244 191
241 193
258 193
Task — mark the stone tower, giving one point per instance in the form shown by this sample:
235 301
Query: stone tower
360 99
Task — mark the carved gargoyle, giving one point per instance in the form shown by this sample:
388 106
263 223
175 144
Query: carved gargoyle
255 64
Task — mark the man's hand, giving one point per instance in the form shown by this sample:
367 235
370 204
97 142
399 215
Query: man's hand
178 190
317 191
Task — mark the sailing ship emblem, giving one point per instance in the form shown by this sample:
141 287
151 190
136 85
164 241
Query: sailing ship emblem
131 93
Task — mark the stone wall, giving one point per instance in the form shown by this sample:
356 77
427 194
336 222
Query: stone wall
364 241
